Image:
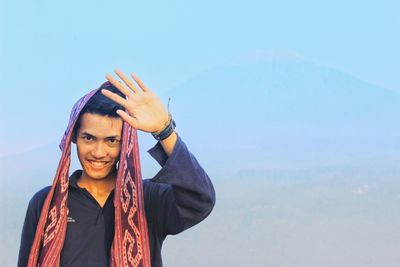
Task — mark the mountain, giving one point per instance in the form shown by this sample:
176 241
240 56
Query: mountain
285 113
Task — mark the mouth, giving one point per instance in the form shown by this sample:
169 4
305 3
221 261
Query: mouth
97 164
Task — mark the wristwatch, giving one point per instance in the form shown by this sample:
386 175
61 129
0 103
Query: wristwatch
168 130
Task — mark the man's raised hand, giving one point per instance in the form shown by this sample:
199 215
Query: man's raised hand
143 109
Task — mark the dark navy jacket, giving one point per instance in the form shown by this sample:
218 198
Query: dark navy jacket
178 197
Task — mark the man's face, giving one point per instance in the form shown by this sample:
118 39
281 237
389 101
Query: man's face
98 142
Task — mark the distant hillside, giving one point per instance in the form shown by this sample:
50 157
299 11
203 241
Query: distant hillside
309 218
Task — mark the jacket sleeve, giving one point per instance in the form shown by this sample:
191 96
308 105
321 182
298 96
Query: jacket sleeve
181 193
30 224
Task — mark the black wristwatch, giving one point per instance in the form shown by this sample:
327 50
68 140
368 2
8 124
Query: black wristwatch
168 130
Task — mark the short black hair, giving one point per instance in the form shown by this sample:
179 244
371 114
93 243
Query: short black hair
101 105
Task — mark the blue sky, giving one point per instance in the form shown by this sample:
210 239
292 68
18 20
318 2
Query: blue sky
53 51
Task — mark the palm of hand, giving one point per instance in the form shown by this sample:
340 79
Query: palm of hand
147 111
143 109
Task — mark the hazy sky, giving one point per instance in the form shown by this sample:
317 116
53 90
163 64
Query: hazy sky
52 52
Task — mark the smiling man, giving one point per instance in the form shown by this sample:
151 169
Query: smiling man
104 214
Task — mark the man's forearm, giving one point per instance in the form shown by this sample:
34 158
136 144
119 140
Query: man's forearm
168 144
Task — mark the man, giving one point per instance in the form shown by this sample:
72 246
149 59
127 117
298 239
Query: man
103 215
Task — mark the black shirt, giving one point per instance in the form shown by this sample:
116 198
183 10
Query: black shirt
90 228
178 197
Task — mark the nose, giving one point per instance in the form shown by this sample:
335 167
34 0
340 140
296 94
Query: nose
99 150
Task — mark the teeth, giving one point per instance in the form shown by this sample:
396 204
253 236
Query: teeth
98 163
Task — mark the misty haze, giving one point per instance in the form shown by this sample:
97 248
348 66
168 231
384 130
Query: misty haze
304 160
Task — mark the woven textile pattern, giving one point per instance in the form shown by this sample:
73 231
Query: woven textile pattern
130 246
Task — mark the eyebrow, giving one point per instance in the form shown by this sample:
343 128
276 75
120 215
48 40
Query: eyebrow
108 137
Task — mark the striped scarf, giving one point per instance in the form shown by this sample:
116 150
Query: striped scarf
130 246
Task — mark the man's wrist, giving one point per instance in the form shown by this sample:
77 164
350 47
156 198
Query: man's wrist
167 131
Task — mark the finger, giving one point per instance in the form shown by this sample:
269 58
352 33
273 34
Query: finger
125 79
115 97
119 85
140 83
126 117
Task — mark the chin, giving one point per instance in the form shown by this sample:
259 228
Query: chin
97 176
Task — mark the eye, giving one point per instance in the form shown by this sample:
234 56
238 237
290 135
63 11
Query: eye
87 138
113 140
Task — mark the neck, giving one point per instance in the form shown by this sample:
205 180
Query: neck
98 186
